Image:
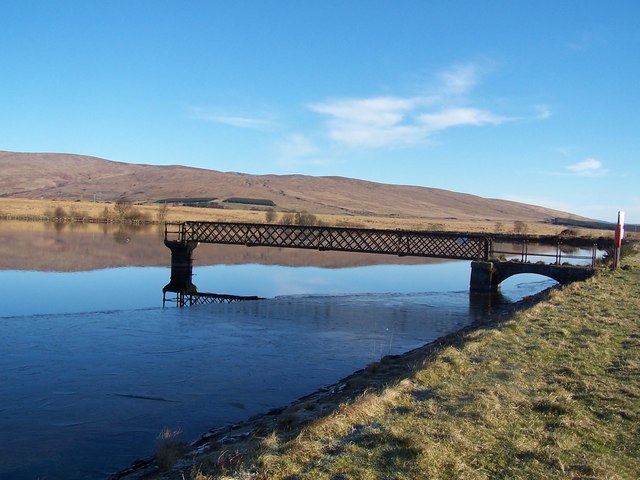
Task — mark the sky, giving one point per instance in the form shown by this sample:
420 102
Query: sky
533 101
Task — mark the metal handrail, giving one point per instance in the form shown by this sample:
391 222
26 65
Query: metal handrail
455 245
177 232
559 255
325 238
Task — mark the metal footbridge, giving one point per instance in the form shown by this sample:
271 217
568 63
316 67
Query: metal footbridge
459 246
486 274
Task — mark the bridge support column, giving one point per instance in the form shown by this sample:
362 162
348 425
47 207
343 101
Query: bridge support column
487 276
181 267
483 277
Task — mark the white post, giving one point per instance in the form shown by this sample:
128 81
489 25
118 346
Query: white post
618 239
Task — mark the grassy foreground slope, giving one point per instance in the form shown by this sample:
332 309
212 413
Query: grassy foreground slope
552 392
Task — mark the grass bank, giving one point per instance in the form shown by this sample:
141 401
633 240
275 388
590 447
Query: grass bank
551 392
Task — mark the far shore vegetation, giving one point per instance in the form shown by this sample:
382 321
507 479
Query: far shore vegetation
124 211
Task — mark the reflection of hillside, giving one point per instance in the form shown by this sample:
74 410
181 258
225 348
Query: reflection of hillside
79 247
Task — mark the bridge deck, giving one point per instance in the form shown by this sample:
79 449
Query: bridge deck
461 246
486 274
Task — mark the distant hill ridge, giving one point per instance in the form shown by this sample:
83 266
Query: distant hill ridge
71 177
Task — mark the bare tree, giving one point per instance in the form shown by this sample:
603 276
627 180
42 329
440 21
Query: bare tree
288 219
106 214
519 226
161 214
59 212
305 218
122 209
270 215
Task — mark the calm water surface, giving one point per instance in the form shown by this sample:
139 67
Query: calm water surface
92 369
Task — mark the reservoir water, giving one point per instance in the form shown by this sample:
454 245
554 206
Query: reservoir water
92 368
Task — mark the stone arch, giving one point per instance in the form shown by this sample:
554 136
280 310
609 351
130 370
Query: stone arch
487 276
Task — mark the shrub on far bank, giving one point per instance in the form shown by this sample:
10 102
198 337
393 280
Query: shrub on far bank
124 210
299 218
270 215
161 214
60 214
520 227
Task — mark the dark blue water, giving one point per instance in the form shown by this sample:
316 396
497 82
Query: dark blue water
92 369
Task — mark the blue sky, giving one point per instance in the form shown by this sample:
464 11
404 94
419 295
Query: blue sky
535 101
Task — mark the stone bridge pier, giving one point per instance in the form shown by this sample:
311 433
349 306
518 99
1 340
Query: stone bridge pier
181 267
486 276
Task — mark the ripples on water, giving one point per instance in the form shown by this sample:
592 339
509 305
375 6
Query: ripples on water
92 370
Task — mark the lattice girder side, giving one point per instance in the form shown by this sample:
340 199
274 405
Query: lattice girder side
209 300
397 242
203 298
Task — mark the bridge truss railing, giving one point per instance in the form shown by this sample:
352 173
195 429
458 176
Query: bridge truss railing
558 251
461 246
183 299
452 245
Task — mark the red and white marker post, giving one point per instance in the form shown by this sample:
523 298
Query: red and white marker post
618 239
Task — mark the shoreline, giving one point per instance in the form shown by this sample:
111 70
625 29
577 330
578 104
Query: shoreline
551 389
373 378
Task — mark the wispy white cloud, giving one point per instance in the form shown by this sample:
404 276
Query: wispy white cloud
297 145
371 122
455 117
394 121
297 150
542 112
565 151
233 120
458 79
589 167
380 111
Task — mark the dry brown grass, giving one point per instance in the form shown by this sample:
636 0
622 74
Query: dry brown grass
170 448
35 208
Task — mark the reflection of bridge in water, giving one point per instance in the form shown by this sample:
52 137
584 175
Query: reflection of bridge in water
486 272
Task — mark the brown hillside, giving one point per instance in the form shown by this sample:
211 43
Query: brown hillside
72 177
